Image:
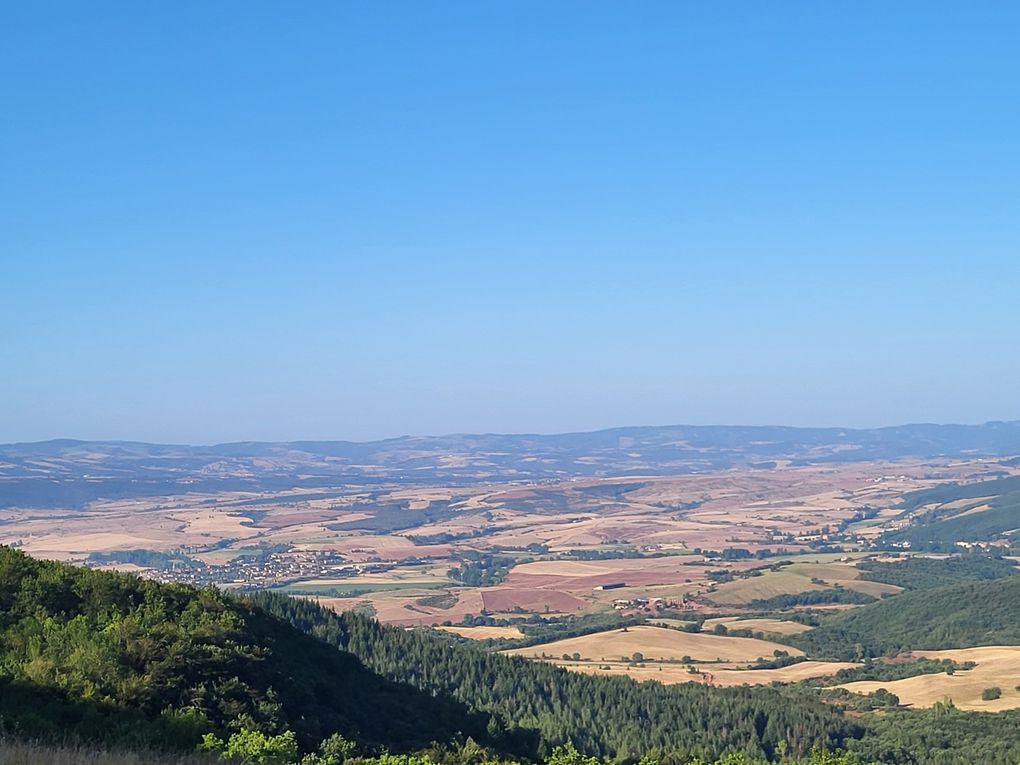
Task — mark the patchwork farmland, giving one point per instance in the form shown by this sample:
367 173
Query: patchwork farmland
674 572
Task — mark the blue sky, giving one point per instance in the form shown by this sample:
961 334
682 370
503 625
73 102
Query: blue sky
245 220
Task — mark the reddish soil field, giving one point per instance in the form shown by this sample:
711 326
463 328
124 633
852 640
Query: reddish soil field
504 599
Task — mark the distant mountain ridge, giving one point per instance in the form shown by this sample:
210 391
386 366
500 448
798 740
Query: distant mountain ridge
993 437
70 472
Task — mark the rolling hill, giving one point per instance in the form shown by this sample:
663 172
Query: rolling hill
108 657
956 616
69 473
93 656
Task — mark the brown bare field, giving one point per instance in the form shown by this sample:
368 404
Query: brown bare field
535 600
657 643
403 607
427 576
669 576
997 666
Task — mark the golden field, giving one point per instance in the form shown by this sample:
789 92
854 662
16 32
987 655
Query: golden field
797 578
774 626
485 633
997 666
657 643
723 676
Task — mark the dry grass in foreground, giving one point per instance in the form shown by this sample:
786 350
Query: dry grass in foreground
20 753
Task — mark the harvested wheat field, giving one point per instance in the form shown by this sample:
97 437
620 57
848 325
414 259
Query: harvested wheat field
796 579
997 667
775 626
485 633
657 643
670 674
741 592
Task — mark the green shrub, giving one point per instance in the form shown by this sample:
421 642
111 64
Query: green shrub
254 746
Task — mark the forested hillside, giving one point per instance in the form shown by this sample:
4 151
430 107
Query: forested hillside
957 616
952 492
609 716
625 720
112 659
940 736
109 657
945 525
917 573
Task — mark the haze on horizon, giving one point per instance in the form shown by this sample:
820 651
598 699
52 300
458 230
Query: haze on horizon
353 221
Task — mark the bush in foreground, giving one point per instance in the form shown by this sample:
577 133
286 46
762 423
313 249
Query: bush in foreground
257 749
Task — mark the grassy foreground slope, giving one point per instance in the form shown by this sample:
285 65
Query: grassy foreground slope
958 616
30 753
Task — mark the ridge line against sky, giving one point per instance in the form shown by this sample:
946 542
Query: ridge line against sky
240 219
496 434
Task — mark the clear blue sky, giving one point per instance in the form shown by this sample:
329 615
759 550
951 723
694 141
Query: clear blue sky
248 220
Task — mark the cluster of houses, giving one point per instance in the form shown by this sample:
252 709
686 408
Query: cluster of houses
653 605
645 604
256 572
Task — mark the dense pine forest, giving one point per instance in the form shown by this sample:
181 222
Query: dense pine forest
623 720
956 616
111 660
613 717
918 573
